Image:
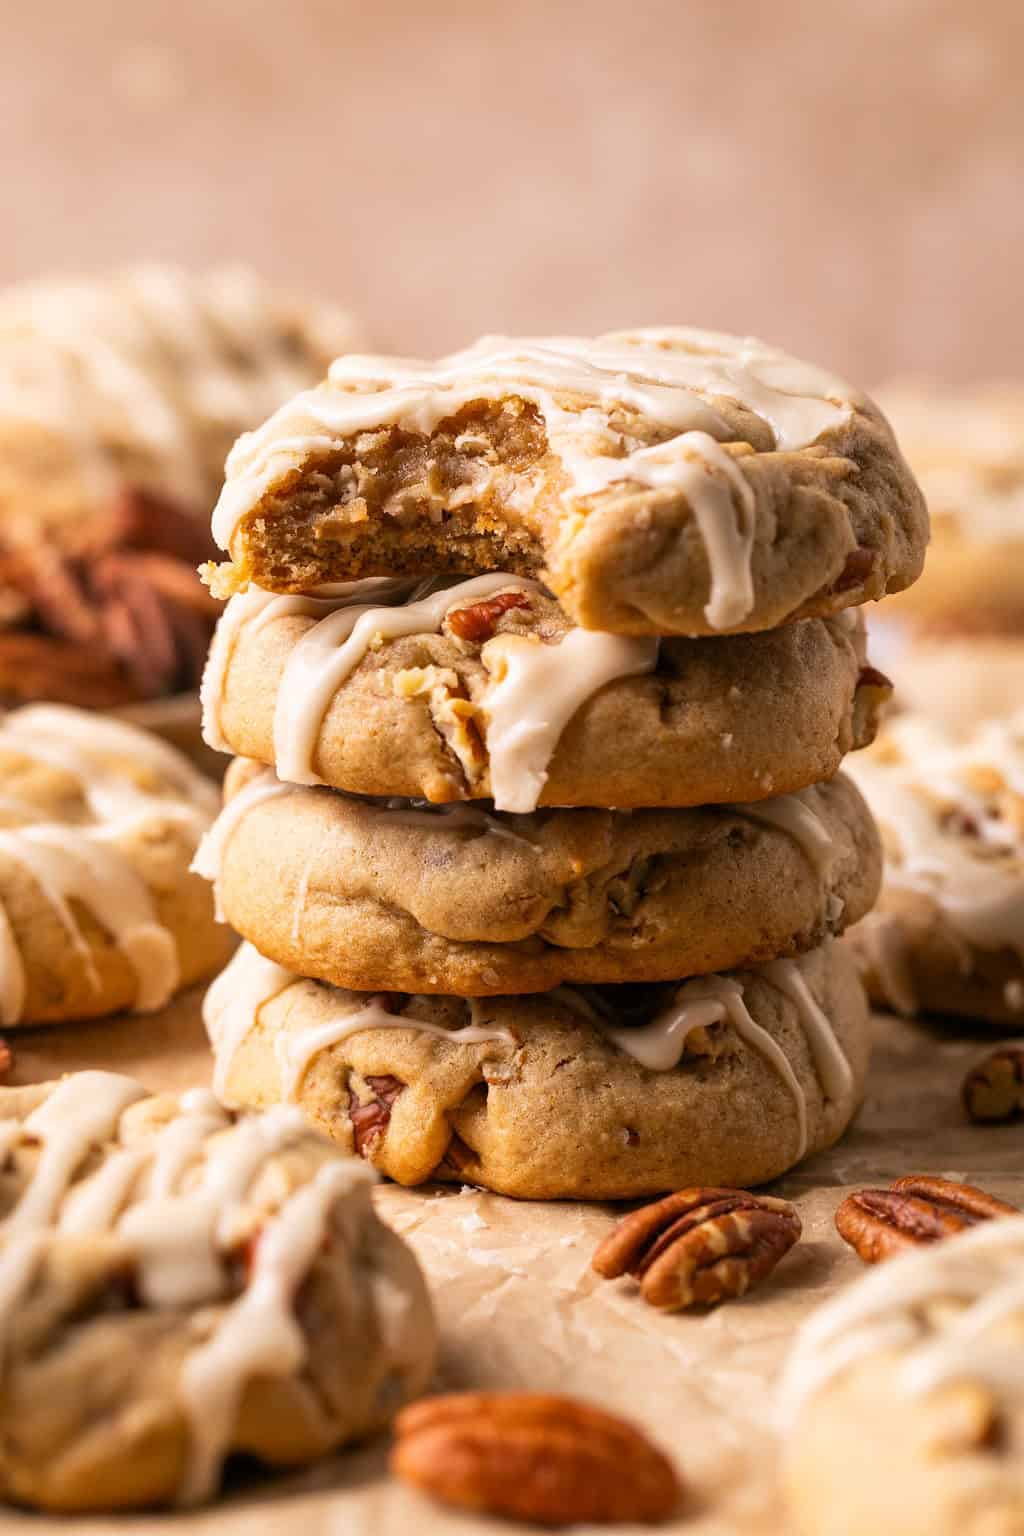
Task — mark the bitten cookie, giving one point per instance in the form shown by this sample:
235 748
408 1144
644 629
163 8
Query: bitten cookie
948 933
484 689
591 1093
659 482
903 1400
98 910
393 895
179 1285
120 396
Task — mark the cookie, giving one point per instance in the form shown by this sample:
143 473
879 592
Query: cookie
967 451
484 689
119 399
902 1402
98 909
948 933
396 895
179 1285
590 1093
660 482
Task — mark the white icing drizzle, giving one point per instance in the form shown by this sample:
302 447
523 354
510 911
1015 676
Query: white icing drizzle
233 1005
830 1063
260 1334
79 1115
209 856
255 608
975 878
796 816
534 692
176 1198
888 1309
590 395
84 862
699 1003
297 1052
329 652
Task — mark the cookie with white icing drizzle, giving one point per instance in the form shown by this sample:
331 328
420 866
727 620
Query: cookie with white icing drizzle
593 1093
902 1402
958 631
663 481
484 689
967 451
140 381
948 933
385 894
179 1284
99 912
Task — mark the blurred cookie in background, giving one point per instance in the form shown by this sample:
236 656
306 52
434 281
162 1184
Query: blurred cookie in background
947 935
955 641
120 396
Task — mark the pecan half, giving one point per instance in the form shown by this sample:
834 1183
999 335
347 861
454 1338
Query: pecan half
370 1119
528 1456
39 667
993 1090
699 1246
913 1211
478 622
123 593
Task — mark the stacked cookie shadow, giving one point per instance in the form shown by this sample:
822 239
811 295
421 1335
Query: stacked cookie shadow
539 676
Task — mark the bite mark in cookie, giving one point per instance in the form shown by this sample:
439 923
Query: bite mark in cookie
669 481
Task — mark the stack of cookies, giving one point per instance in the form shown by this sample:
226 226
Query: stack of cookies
539 668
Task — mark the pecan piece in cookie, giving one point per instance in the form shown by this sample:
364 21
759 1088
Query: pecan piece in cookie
699 1246
370 1118
913 1211
993 1091
478 622
527 1456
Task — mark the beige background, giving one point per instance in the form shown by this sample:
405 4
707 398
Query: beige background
842 177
